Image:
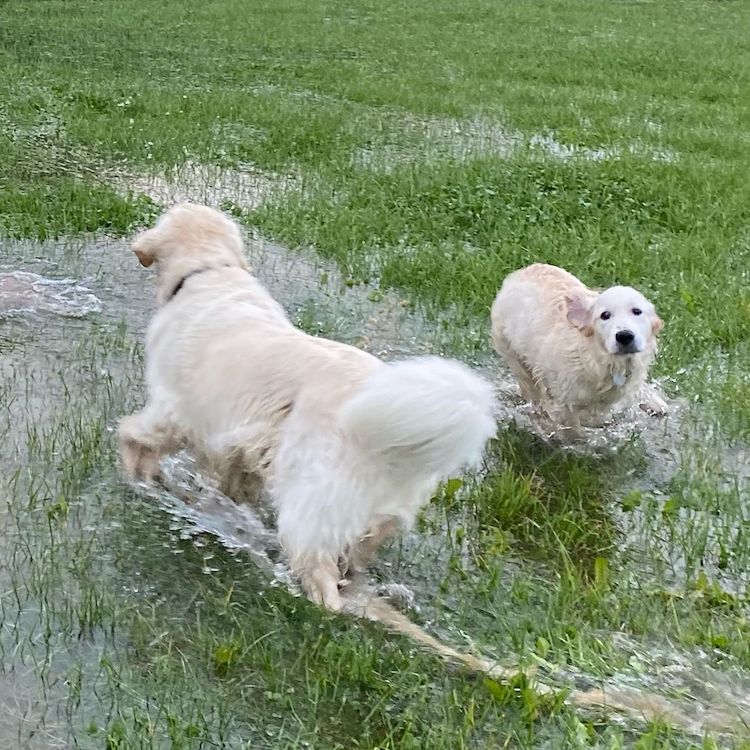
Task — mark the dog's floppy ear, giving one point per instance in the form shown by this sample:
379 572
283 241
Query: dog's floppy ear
144 248
657 324
579 314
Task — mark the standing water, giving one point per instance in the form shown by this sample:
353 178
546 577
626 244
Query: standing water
112 597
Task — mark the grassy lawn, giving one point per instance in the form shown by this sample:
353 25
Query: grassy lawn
424 150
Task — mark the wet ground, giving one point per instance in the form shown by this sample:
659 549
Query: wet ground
72 318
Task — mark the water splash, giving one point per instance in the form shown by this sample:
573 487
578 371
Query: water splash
26 292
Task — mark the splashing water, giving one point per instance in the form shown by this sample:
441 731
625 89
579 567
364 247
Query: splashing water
26 292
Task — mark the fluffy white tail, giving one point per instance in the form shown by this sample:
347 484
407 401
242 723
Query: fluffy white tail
435 414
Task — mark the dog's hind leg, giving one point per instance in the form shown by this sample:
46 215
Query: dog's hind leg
530 390
361 553
320 581
311 542
241 461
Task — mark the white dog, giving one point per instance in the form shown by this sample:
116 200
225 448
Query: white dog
574 351
348 447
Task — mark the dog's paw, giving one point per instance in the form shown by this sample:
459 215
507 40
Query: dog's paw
322 587
651 401
326 597
400 596
139 462
655 406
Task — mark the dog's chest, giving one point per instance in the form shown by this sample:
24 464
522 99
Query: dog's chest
602 387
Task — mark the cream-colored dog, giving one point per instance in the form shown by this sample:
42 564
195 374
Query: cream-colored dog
348 447
575 352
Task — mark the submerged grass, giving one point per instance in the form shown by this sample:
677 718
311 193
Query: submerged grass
434 149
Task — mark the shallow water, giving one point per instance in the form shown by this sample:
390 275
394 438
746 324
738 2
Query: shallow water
201 183
74 314
438 138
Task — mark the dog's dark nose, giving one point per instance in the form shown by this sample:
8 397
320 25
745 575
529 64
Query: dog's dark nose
624 338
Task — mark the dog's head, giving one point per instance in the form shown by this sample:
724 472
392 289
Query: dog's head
186 238
621 319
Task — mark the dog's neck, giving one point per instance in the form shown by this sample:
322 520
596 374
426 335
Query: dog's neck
176 288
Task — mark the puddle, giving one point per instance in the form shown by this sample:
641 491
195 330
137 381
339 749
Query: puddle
441 137
482 137
77 313
548 144
663 680
244 186
75 368
665 668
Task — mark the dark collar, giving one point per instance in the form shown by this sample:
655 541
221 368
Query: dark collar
182 281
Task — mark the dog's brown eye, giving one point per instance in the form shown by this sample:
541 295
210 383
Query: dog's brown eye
637 311
606 315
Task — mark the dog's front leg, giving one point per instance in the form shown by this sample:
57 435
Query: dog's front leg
651 401
143 439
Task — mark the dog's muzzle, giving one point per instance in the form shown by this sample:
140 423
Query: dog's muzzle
625 342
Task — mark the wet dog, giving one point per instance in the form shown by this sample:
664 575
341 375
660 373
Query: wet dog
575 352
348 447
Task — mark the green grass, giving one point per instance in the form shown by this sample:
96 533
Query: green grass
429 150
63 206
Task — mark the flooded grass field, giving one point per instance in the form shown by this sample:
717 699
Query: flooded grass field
390 165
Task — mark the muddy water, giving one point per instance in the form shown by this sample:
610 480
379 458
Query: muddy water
73 314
